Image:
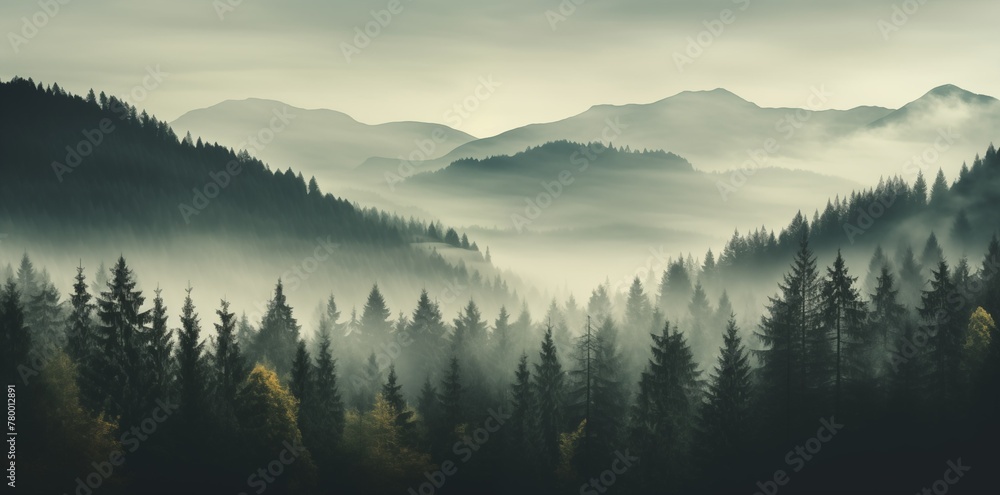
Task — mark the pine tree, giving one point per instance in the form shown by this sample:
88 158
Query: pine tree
450 398
279 334
43 313
939 191
911 280
793 365
160 351
427 332
549 392
15 341
501 341
523 411
599 305
878 261
920 190
80 338
887 318
124 381
191 366
843 315
230 367
932 254
725 438
375 325
329 425
663 417
947 324
700 318
392 393
301 382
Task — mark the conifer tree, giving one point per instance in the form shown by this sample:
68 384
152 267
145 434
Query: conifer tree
278 337
191 366
450 398
80 339
330 408
124 379
663 417
160 351
725 438
843 315
15 341
230 367
948 323
392 393
375 325
550 395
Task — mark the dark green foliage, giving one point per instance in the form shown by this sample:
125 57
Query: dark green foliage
192 376
15 341
663 418
122 340
279 334
550 393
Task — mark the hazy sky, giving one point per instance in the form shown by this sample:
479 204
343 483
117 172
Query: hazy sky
432 54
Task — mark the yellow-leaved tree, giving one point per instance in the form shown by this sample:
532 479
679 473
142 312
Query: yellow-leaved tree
374 440
977 341
268 416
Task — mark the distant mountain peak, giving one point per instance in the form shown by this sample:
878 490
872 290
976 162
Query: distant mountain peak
952 91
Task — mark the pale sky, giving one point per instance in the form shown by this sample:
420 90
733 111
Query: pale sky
432 54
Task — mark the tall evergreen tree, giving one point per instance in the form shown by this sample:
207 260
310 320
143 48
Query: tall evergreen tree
278 337
81 344
550 394
794 367
451 400
725 438
124 381
160 351
375 324
663 417
392 393
330 422
947 324
230 367
191 367
843 315
15 341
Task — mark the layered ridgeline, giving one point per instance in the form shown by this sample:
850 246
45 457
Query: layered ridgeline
713 129
91 177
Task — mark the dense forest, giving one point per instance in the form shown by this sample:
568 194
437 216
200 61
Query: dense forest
872 378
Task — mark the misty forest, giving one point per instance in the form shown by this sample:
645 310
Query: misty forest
853 345
387 247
